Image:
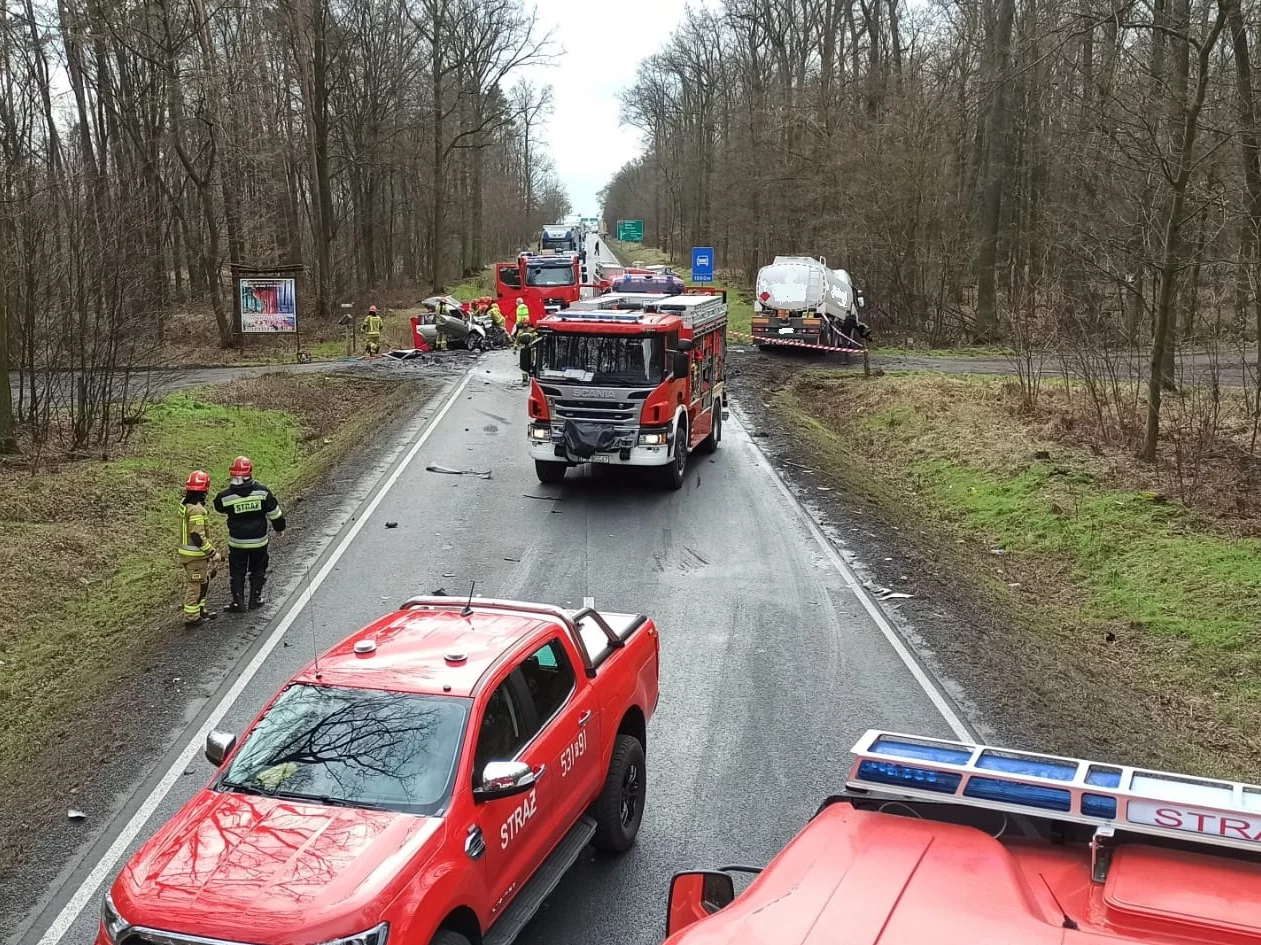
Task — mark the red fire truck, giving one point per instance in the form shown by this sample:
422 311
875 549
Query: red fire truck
628 386
547 282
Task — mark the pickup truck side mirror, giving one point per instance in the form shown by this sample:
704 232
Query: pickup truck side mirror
695 895
505 779
218 746
527 358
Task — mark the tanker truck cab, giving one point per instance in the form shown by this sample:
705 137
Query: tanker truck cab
624 387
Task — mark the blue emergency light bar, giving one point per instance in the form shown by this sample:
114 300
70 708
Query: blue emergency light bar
1159 803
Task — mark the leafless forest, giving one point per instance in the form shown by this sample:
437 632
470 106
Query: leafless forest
987 170
149 145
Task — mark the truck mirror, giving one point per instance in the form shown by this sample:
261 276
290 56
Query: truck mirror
505 779
684 344
680 364
527 358
695 895
218 746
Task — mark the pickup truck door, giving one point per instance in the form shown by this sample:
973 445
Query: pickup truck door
513 829
571 731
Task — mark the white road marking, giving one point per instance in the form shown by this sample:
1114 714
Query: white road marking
588 602
926 683
106 865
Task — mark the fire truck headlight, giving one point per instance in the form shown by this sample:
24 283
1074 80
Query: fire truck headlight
653 439
540 433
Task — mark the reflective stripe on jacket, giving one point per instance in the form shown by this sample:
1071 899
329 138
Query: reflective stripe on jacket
249 507
193 522
372 325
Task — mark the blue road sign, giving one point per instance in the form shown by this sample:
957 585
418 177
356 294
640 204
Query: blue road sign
702 264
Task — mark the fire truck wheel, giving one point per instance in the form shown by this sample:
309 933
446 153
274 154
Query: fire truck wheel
710 443
672 475
620 807
549 472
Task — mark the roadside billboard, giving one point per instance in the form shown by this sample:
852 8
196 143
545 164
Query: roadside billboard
268 305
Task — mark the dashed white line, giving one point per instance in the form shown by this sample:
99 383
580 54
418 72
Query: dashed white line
106 865
588 602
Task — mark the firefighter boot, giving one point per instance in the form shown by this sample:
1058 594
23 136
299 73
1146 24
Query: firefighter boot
257 599
237 606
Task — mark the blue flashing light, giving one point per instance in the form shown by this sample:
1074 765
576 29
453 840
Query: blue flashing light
1030 765
1101 776
885 772
904 749
1013 792
1099 805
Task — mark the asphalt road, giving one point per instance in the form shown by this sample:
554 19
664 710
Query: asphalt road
772 662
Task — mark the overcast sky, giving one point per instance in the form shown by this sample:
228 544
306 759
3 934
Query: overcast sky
603 44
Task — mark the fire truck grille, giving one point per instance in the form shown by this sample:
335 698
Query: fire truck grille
609 411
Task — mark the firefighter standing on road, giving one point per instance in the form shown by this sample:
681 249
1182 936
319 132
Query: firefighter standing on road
522 323
249 506
196 553
372 331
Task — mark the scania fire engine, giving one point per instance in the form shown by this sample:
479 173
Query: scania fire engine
548 282
628 386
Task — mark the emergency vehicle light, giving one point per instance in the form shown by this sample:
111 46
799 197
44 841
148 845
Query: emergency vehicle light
1159 803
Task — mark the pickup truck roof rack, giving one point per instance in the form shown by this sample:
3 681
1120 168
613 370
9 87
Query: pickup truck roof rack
1105 797
571 619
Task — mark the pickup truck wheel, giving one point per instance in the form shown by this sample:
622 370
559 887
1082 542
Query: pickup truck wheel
620 808
549 471
447 937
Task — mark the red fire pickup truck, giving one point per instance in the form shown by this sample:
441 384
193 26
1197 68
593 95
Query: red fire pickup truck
427 780
960 844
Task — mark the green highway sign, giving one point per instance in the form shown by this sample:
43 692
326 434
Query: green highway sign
630 231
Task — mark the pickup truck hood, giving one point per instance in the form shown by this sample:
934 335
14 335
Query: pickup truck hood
273 871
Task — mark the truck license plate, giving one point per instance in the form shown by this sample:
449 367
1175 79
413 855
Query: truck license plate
785 331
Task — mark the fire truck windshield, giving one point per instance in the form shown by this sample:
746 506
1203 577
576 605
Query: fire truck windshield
543 276
602 359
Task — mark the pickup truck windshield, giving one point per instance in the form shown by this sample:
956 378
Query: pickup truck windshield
549 275
602 359
353 748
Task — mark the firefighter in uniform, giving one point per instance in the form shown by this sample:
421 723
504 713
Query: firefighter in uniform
196 553
249 506
521 324
524 337
372 331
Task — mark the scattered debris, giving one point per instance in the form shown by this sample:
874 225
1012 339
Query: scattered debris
73 814
515 560
546 498
998 551
391 524
446 470
824 488
449 574
1042 454
895 595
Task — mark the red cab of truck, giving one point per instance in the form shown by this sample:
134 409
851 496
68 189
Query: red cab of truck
546 282
626 383
959 844
428 779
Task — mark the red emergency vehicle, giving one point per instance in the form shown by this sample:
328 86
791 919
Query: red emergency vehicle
427 780
547 282
630 386
961 844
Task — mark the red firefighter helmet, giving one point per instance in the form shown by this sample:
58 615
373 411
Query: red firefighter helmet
372 308
198 482
241 466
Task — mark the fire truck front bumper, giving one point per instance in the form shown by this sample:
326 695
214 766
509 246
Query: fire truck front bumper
642 447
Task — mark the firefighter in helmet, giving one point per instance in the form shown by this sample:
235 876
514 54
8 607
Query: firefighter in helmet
522 322
372 331
249 506
196 553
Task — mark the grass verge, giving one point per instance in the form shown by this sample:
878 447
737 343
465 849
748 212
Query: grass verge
1102 577
89 574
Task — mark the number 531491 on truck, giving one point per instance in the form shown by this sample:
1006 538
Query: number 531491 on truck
427 781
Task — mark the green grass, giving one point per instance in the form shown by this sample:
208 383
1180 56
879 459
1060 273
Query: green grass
474 287
979 351
87 568
739 297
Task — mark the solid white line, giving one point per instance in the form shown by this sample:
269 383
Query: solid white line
926 682
105 866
